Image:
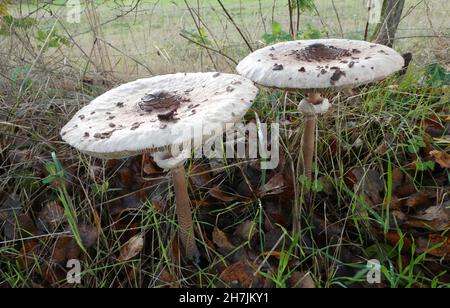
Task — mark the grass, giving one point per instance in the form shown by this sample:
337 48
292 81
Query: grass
379 130
381 112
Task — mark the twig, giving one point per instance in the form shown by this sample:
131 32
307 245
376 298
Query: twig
338 18
291 18
210 48
197 25
128 56
235 25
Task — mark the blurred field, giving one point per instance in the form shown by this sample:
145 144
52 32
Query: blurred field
145 39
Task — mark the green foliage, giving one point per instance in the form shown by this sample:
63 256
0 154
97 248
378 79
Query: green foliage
436 75
4 7
19 73
310 33
58 178
53 39
199 36
304 5
316 185
8 22
425 165
279 35
415 144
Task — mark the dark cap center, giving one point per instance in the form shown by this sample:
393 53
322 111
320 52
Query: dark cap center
160 100
321 52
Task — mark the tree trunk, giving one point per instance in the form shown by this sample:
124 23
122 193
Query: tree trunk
390 19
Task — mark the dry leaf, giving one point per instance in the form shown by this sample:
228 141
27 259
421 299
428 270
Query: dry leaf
222 242
220 195
370 182
245 231
426 245
442 158
66 248
148 166
436 218
29 253
132 248
301 280
242 275
275 186
397 179
199 176
88 234
275 254
418 199
50 217
393 238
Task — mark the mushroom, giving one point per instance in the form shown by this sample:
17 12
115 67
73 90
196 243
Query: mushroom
157 115
317 66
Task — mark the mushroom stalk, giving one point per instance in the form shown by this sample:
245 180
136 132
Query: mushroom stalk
184 213
310 106
309 136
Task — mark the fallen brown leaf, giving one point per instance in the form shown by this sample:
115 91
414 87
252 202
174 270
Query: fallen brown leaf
242 275
418 199
368 181
221 240
301 280
275 186
245 231
216 193
427 244
132 248
88 234
50 217
65 249
199 176
442 158
436 218
148 166
393 238
28 253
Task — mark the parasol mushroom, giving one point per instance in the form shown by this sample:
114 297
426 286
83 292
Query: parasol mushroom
317 66
157 115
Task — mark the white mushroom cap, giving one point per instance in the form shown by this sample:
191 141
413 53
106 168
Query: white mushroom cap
118 124
320 64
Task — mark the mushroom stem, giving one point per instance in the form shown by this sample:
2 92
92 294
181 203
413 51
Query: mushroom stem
184 213
308 145
309 134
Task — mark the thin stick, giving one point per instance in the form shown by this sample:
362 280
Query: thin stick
291 17
207 47
235 25
338 18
